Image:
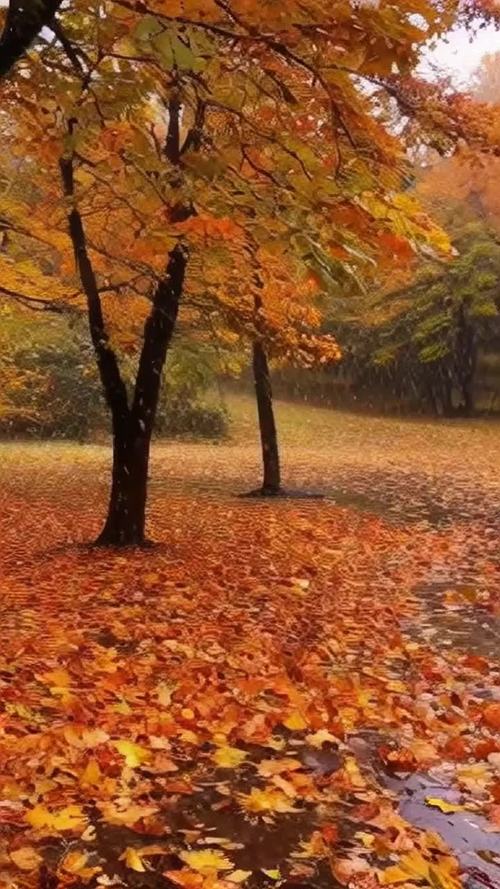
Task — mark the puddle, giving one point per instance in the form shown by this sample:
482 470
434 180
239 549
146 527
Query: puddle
466 627
468 834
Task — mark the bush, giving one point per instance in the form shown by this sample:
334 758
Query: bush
57 392
193 419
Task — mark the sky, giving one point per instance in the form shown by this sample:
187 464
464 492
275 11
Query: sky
462 52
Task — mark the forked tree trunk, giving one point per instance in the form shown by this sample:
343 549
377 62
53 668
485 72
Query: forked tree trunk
132 431
132 424
271 483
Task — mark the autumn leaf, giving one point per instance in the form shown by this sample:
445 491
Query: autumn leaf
491 716
267 800
26 858
443 805
92 773
238 876
206 861
229 757
70 818
133 859
295 722
76 863
134 754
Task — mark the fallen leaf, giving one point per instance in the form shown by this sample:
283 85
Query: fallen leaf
238 876
206 861
295 722
443 805
134 754
26 858
132 859
69 818
267 800
229 757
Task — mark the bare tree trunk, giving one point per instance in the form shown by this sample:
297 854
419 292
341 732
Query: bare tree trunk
126 519
23 22
271 483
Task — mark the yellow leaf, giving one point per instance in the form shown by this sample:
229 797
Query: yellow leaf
269 767
265 801
134 754
239 876
394 874
59 678
164 694
443 806
318 738
229 757
366 838
123 708
207 861
26 858
92 773
127 816
272 874
132 859
76 863
295 722
70 818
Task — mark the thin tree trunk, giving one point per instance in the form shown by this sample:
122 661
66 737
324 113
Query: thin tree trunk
271 483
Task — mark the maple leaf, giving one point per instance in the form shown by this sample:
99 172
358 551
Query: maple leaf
295 722
229 757
267 800
70 818
76 863
207 861
26 858
134 754
127 814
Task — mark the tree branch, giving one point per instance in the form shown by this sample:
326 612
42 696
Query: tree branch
24 21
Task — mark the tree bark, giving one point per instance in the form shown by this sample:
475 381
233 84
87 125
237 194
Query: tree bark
24 22
465 360
126 518
271 483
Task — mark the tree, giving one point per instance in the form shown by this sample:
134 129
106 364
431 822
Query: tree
179 134
22 24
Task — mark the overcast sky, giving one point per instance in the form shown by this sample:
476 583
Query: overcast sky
462 52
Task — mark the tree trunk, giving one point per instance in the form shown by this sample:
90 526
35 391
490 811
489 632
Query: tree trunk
126 518
22 24
132 431
271 485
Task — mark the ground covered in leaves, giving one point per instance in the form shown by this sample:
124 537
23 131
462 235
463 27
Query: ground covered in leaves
251 701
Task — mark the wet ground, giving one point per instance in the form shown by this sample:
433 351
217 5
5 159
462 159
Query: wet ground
426 476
